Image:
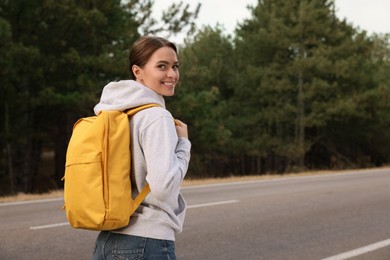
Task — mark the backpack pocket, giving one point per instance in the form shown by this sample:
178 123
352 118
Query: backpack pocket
84 206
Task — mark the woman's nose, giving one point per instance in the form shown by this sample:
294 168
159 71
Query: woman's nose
172 73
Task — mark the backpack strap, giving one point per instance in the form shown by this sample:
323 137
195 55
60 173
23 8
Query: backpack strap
140 197
146 189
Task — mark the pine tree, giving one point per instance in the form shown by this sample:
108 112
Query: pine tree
205 70
298 67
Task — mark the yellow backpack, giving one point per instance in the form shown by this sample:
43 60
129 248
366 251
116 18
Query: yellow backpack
97 188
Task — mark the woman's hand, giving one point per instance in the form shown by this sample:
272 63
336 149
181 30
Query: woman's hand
181 129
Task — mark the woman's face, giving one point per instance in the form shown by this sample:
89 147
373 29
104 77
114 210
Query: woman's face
161 72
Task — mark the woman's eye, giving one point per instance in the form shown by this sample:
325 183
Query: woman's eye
176 67
161 66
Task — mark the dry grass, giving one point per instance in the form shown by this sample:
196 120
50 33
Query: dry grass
25 197
187 182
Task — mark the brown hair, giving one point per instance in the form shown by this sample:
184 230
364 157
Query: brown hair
144 48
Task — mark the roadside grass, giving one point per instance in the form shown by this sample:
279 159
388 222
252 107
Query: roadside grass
190 182
25 197
186 182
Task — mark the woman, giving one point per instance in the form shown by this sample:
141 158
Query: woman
160 151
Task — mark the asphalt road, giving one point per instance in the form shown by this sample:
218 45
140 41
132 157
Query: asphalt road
333 217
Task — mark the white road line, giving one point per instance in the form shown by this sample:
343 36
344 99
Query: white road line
278 179
212 204
50 226
188 207
29 202
360 251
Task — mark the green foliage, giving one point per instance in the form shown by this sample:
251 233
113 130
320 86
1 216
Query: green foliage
206 68
303 68
297 88
57 55
294 88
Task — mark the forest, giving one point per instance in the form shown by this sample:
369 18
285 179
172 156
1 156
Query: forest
294 88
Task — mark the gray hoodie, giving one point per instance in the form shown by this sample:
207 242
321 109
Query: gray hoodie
159 157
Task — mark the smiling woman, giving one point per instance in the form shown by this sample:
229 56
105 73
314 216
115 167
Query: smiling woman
161 73
160 154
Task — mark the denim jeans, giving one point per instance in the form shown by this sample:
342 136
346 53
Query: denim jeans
114 246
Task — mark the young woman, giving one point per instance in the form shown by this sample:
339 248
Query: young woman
160 151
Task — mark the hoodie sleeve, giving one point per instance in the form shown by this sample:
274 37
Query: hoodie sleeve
167 157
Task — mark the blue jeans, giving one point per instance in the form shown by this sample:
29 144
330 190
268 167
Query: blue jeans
114 246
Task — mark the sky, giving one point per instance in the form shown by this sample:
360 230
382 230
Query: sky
370 15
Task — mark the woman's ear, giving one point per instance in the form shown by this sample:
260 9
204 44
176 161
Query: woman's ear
137 72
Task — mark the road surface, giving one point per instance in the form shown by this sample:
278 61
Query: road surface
332 217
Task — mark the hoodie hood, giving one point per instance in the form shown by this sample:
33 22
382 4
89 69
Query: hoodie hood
126 94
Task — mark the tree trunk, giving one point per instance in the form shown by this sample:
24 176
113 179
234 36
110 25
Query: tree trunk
9 152
61 144
300 101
